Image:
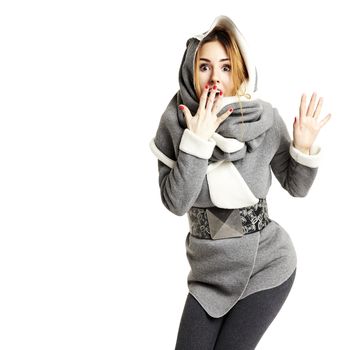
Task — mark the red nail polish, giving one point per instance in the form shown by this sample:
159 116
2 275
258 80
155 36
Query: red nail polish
214 87
181 107
231 109
221 93
206 86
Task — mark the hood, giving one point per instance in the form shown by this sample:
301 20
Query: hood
186 72
246 125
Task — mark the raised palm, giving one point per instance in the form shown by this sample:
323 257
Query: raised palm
308 125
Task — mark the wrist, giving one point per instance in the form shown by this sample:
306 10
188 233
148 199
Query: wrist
193 144
202 136
302 149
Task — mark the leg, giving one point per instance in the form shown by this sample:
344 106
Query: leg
197 330
247 321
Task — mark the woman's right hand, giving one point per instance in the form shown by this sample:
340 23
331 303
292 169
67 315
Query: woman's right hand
206 121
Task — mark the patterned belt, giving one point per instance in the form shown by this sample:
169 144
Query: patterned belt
218 223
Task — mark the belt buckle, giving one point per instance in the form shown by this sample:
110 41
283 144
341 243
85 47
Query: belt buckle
224 223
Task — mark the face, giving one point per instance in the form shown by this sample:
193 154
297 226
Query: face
215 68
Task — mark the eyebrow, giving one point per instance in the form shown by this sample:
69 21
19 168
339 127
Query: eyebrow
222 60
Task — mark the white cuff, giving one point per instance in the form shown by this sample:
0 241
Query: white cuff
160 155
227 144
311 160
195 145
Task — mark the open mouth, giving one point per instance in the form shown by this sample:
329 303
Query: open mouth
217 92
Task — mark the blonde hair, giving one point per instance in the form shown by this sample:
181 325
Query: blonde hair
239 72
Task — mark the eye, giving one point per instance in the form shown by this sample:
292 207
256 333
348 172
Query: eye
228 68
202 66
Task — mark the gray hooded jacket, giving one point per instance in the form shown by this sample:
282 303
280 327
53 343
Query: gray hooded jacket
230 170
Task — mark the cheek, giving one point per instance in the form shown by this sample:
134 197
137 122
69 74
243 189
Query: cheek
203 79
228 80
202 84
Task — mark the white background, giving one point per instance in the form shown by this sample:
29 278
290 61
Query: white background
89 256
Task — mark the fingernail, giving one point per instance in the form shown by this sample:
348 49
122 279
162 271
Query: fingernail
221 93
181 107
231 109
206 86
214 87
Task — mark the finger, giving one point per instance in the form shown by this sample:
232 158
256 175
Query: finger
225 115
187 114
325 120
297 123
302 107
311 104
211 98
318 108
203 100
218 103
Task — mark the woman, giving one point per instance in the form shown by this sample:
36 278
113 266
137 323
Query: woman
216 144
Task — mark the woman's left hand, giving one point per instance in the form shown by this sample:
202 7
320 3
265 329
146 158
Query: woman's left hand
307 126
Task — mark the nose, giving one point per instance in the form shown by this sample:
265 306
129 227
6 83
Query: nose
214 79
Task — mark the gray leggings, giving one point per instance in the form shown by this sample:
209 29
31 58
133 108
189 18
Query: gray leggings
240 329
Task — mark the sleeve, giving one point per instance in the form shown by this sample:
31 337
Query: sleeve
181 181
294 170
